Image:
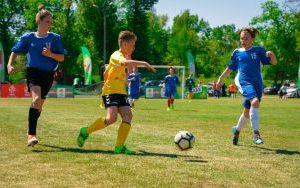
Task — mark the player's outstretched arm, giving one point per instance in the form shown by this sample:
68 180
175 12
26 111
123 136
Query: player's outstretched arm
224 75
272 56
140 63
12 58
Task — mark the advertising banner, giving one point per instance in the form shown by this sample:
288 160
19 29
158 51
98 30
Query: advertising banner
14 91
2 69
87 65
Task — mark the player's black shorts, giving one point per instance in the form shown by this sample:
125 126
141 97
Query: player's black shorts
115 100
36 77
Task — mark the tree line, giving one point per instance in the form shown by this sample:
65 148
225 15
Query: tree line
96 24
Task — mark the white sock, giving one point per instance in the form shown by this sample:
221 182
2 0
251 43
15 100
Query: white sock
130 101
242 122
254 118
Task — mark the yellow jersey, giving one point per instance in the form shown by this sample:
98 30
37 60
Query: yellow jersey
115 82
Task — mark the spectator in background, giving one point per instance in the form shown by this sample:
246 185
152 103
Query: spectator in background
216 90
190 84
223 90
232 90
282 91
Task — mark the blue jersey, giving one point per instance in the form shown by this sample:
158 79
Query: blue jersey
248 63
134 85
32 45
170 85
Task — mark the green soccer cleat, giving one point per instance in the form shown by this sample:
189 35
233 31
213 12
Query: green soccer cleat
83 135
256 138
123 149
172 107
236 135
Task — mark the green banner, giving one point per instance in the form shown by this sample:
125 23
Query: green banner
191 63
87 65
2 69
200 92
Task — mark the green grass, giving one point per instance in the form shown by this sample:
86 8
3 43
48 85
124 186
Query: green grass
213 162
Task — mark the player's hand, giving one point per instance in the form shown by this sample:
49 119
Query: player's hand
10 69
152 69
47 50
269 54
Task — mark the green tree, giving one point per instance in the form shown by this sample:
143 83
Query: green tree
184 38
277 33
158 38
137 21
11 23
98 27
215 55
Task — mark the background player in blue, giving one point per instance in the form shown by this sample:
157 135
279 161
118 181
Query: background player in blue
247 60
44 50
171 81
134 86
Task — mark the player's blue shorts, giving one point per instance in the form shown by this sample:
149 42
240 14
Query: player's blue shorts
250 91
134 95
170 92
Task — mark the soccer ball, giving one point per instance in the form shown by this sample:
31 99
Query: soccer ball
184 140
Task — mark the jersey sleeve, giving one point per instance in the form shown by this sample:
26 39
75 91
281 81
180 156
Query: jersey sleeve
58 46
22 46
177 80
233 61
263 56
166 80
117 59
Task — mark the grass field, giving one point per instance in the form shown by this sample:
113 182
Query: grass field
213 162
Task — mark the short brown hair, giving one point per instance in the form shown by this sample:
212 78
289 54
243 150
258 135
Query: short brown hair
172 69
251 30
42 13
126 36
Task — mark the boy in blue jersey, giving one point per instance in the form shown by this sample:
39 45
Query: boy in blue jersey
44 50
134 86
247 61
171 81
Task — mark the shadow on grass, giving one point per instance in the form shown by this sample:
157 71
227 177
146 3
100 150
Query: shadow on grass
190 157
110 152
183 110
72 150
278 151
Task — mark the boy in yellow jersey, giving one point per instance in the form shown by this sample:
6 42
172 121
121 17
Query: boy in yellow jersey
114 94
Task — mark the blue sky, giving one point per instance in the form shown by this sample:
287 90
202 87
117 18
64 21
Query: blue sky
216 12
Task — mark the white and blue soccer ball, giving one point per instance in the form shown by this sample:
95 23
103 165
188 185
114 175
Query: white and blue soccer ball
184 140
